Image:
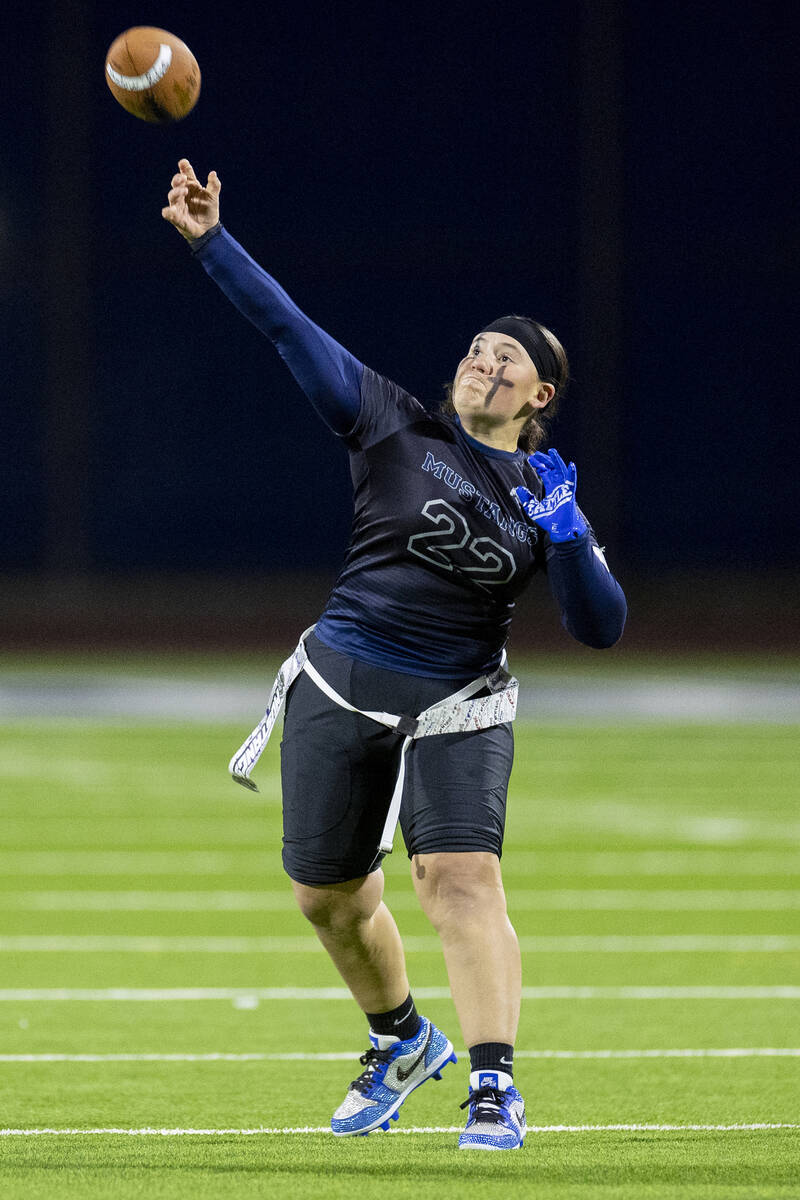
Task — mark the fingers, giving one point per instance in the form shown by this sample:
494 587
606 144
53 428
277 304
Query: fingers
177 195
554 463
187 169
178 191
181 182
530 505
569 474
175 216
540 461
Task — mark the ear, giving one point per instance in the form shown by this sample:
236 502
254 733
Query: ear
544 394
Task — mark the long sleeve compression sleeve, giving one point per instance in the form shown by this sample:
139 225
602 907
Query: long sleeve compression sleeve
328 374
593 605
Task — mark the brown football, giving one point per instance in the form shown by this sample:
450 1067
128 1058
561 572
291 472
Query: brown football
153 74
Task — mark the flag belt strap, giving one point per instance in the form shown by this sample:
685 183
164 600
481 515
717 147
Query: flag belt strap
460 712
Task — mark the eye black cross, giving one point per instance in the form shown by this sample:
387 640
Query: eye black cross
498 383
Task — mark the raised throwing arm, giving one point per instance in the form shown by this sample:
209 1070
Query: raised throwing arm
328 374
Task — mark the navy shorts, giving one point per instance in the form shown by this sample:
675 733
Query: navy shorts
338 771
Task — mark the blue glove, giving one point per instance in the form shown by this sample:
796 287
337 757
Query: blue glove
557 512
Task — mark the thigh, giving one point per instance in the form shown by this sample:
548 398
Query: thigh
456 790
337 775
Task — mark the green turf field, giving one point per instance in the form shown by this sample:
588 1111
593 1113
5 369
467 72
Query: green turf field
153 972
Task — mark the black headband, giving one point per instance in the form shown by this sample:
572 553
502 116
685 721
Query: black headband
538 347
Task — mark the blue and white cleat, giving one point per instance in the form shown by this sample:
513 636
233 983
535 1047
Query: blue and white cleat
392 1069
496 1113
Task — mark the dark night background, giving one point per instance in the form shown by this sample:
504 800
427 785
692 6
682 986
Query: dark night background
623 172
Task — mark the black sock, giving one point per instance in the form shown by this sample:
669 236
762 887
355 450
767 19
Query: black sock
402 1022
492 1056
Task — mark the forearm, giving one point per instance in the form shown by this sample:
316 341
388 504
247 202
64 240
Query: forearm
592 604
328 374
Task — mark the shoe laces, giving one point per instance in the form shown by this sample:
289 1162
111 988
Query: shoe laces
372 1062
488 1102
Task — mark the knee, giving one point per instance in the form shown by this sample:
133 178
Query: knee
339 907
455 889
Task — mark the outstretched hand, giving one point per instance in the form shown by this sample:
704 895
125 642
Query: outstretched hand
192 208
556 512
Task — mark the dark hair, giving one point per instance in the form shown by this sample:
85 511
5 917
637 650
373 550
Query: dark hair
535 429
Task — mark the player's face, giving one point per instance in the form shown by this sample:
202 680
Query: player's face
497 386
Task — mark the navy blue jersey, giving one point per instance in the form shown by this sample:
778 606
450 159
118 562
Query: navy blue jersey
440 547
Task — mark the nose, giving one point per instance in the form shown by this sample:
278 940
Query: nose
481 363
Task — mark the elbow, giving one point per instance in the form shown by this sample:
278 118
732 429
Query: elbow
611 631
603 634
606 640
598 640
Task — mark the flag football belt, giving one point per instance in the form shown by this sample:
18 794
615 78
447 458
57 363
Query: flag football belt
458 713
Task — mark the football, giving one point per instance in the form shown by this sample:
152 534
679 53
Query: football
153 74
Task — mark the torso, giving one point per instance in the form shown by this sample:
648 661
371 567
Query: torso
439 548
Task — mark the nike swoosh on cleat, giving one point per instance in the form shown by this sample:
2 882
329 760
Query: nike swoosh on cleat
506 1062
402 1075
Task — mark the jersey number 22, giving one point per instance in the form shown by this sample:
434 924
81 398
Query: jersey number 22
494 563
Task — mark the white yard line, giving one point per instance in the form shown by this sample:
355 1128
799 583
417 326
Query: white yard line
153 901
736 1052
520 900
633 815
350 1056
753 1127
663 900
136 862
247 997
732 860
556 944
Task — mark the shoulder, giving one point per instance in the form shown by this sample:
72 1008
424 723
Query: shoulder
379 389
386 407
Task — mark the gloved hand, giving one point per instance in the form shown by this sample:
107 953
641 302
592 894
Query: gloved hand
556 512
